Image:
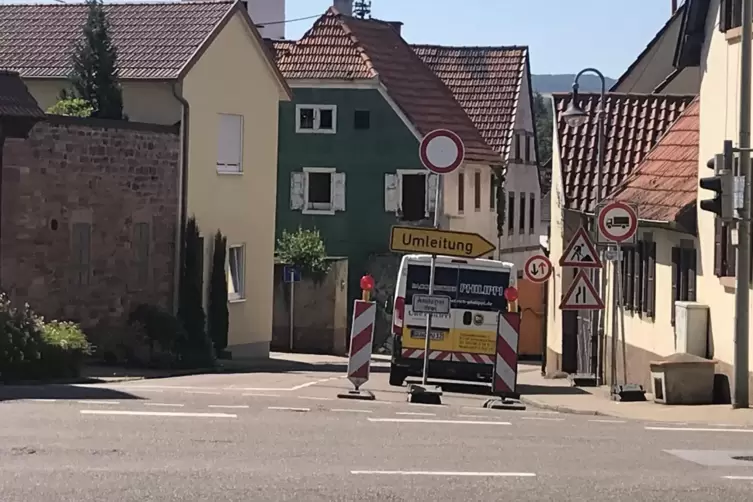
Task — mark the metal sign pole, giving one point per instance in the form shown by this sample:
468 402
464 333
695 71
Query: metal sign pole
432 271
292 310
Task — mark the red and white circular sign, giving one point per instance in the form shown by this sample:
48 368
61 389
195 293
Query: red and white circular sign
618 222
441 151
538 269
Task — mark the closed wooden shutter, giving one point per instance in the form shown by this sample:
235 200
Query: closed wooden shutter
638 278
675 281
630 278
623 274
692 257
718 251
730 258
651 280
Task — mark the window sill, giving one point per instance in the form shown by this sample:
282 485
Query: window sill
728 282
320 212
232 173
315 131
734 35
236 300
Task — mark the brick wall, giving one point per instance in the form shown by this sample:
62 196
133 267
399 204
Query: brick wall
117 178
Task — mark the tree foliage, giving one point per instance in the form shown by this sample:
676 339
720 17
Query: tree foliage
72 107
218 321
543 114
305 249
95 66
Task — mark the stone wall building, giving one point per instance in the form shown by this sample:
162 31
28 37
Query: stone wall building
89 219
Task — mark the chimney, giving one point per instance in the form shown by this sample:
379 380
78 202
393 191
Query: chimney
344 7
397 26
674 7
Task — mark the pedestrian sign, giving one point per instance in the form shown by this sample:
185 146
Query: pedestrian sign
580 252
581 295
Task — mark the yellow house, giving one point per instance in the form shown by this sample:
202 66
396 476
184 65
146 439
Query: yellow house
711 42
203 65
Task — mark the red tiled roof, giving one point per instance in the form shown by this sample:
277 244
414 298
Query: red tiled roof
665 183
278 48
345 48
634 124
486 81
154 40
15 99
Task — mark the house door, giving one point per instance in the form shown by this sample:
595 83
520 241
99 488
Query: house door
531 306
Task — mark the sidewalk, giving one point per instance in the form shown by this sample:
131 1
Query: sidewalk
558 395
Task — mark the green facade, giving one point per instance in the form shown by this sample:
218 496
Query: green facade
364 155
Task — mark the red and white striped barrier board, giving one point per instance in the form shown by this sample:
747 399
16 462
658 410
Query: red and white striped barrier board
434 355
467 357
505 375
361 336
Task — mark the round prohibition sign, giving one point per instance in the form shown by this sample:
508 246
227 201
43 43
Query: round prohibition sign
618 222
538 269
441 151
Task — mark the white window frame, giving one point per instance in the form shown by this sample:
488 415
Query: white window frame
317 109
327 170
240 293
223 168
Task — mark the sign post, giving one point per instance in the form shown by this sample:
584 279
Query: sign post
617 225
291 275
441 152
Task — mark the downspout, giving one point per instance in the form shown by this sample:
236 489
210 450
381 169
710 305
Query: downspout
2 147
183 191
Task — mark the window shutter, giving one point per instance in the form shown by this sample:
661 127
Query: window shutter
297 188
629 277
623 276
638 278
675 281
692 257
718 251
651 280
391 193
729 250
431 193
229 142
338 200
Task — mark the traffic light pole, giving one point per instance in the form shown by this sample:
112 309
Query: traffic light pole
742 290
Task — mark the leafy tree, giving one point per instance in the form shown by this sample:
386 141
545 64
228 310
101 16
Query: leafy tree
543 114
72 107
217 314
305 249
197 350
95 66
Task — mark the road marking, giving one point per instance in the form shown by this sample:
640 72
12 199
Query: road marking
171 405
261 395
739 478
229 406
415 413
42 400
450 473
473 416
285 408
158 414
313 398
431 421
548 419
156 391
311 384
213 393
606 421
93 401
696 429
346 410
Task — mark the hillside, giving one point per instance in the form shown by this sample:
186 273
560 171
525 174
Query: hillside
547 84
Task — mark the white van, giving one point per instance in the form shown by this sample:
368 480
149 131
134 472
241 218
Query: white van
462 342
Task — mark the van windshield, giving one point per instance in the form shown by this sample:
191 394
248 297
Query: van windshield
468 288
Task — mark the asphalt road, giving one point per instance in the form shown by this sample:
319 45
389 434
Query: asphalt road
285 436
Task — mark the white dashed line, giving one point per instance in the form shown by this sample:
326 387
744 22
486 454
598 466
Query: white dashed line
543 419
169 405
350 410
313 398
606 421
473 416
254 394
415 413
696 429
158 414
93 401
450 473
285 408
208 392
41 400
229 406
430 421
739 478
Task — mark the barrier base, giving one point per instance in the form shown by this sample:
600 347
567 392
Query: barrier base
363 395
504 403
420 394
628 393
582 380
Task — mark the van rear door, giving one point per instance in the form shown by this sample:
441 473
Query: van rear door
480 297
414 325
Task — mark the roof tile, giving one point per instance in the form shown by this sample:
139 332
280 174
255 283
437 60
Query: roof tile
154 40
486 81
15 99
343 47
665 183
634 125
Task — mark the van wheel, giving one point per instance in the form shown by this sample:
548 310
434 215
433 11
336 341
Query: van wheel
397 376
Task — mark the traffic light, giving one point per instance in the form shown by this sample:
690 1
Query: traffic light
722 183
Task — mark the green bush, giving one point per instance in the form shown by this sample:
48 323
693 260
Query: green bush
304 249
64 349
72 107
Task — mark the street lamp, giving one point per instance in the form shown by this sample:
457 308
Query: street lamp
576 116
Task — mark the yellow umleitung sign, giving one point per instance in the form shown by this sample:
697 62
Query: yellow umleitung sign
444 242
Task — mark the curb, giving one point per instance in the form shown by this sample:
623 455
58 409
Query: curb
563 409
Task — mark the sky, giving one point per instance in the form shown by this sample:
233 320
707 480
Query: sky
564 36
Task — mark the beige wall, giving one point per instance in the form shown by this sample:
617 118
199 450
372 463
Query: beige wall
143 101
720 100
556 248
232 76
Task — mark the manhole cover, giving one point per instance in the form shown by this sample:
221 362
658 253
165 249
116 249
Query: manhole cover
746 458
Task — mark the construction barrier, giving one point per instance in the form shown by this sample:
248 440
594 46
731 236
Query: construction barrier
361 337
505 378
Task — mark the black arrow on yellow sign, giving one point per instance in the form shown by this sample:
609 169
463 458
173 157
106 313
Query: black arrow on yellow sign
439 242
